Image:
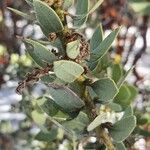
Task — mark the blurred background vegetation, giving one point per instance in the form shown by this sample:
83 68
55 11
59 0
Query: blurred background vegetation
132 47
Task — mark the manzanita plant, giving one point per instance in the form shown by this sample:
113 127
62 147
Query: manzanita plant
83 84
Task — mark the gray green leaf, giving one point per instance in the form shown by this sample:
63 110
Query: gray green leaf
81 11
97 37
105 89
73 49
104 46
65 98
39 53
123 128
67 71
48 19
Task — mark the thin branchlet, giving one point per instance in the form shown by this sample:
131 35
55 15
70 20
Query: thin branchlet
33 77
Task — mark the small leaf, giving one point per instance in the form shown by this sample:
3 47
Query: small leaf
97 122
48 19
47 136
81 11
39 53
73 49
122 98
67 71
104 46
38 117
105 89
20 13
66 99
120 146
97 37
116 72
123 128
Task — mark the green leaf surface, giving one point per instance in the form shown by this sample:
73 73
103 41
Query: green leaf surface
47 105
36 59
133 92
67 71
97 37
123 97
101 66
73 49
48 78
48 19
123 128
47 136
81 9
128 112
105 89
39 53
104 46
65 98
116 72
77 125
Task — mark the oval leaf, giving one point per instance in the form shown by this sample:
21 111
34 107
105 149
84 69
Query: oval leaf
123 128
105 89
66 99
67 71
39 53
73 49
48 19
